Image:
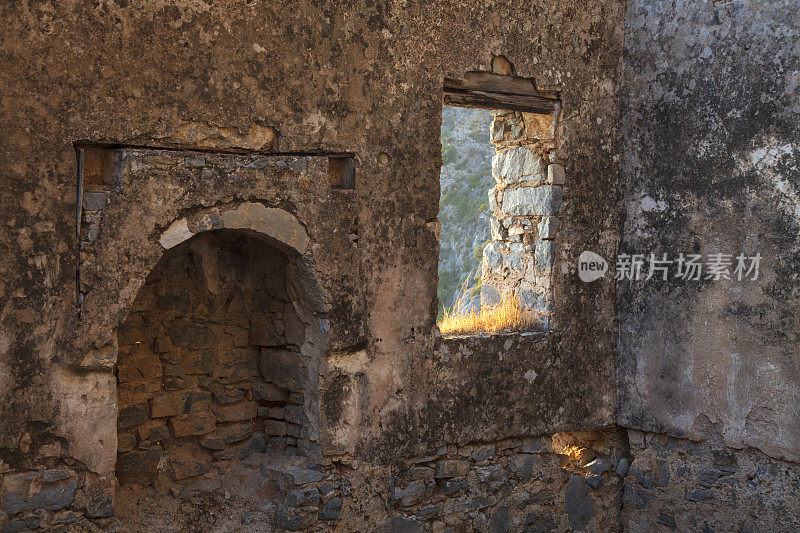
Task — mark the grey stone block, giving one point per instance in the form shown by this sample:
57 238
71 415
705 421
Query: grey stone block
302 497
536 445
547 227
499 522
47 489
638 498
578 503
707 478
451 468
412 494
556 174
545 254
301 476
517 165
20 525
598 466
667 519
491 254
622 467
330 511
699 495
543 200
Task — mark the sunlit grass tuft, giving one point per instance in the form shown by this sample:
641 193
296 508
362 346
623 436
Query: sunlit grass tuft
505 317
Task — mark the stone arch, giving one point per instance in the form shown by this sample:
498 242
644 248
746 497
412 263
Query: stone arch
214 391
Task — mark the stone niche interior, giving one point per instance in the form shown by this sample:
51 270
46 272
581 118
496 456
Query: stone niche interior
211 379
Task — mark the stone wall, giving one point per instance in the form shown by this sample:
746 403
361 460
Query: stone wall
683 485
208 361
568 481
519 259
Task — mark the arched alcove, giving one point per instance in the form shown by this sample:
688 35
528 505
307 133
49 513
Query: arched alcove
216 381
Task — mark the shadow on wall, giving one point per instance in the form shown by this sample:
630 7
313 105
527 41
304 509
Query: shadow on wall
212 381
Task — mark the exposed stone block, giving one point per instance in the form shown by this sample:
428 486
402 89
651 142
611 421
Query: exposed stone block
139 367
422 472
16 526
517 165
699 495
277 413
451 487
494 204
176 233
555 174
598 466
125 442
192 424
275 427
133 415
282 368
178 403
521 465
545 255
263 331
276 223
236 412
138 466
193 336
330 511
497 131
451 468
153 431
224 395
489 295
295 414
492 257
538 126
187 461
46 489
295 329
547 227
199 362
412 494
303 497
302 476
227 434
578 503
542 200
270 392
636 497
536 445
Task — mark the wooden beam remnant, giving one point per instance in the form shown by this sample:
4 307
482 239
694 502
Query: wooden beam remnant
491 91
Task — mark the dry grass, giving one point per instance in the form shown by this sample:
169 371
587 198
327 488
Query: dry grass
504 317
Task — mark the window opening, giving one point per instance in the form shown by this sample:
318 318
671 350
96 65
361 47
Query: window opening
496 253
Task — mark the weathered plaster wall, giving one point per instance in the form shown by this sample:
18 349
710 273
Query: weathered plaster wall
361 78
711 156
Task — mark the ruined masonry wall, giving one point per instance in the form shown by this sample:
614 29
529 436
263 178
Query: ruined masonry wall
683 485
205 360
524 204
